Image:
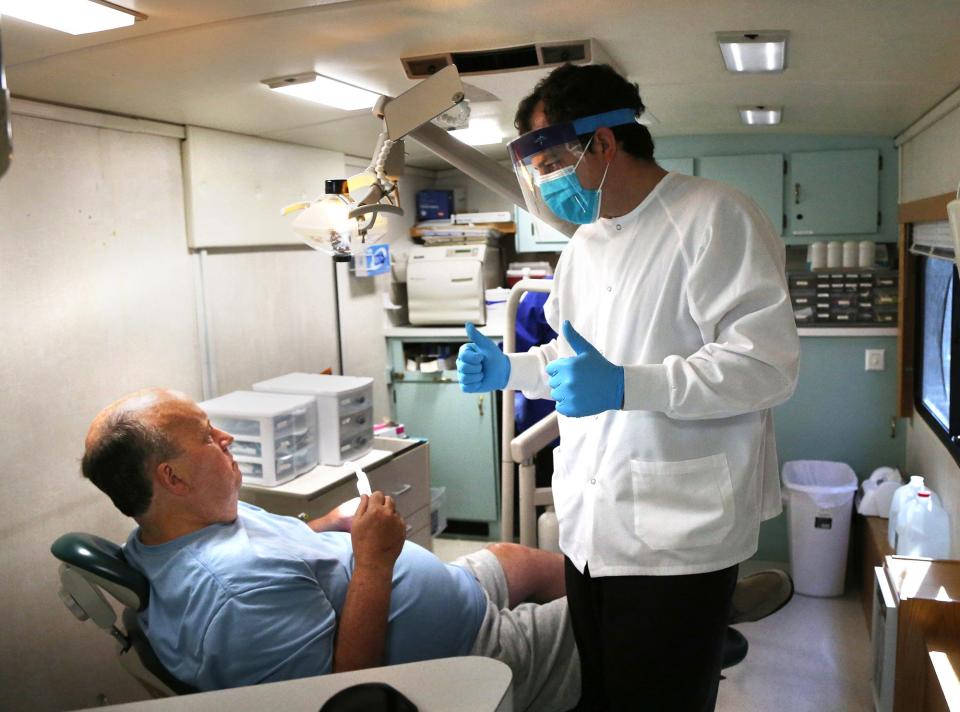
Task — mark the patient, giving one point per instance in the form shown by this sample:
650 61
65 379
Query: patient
240 596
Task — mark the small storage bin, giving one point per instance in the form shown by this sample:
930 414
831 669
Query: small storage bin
438 511
264 426
344 412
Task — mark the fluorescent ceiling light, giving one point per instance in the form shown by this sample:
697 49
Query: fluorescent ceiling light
77 17
324 90
754 51
480 132
760 115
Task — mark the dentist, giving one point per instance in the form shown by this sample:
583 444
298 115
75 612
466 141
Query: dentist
677 337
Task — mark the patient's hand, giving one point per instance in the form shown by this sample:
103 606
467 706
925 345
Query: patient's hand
377 533
338 519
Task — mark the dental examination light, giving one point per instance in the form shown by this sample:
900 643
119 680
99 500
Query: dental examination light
343 221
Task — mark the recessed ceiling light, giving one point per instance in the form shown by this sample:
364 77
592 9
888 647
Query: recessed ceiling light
760 115
480 132
324 90
754 51
78 17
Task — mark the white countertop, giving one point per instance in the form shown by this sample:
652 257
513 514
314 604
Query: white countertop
466 684
324 477
495 327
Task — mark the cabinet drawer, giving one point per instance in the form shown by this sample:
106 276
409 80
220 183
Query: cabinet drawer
418 520
406 479
422 537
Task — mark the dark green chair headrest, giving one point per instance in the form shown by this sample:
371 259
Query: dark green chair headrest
102 558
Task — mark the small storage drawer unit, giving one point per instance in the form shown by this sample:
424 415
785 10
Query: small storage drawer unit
344 407
275 435
844 297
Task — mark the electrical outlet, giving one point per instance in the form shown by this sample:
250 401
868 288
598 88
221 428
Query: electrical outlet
875 360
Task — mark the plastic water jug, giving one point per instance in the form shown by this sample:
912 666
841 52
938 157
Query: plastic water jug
923 528
901 496
548 531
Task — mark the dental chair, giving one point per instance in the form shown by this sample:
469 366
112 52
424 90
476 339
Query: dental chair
91 566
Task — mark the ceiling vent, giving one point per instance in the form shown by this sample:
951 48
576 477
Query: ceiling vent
508 59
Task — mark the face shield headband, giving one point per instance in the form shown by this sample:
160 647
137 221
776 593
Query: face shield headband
545 162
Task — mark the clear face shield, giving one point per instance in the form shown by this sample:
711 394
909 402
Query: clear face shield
545 161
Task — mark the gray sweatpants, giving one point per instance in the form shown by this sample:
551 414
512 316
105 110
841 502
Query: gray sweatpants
535 640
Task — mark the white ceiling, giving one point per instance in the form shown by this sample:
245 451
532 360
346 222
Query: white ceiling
854 67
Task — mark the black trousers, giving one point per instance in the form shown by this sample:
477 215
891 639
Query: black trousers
650 643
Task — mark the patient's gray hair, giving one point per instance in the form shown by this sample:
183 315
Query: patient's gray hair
120 459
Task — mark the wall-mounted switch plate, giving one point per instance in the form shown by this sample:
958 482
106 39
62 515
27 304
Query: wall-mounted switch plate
875 360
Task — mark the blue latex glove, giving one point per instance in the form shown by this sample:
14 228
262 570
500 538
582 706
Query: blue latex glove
481 365
585 384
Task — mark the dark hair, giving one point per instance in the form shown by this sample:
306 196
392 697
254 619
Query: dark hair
119 462
572 92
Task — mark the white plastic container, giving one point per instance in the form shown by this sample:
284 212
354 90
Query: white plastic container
923 527
548 531
344 406
819 498
275 436
902 495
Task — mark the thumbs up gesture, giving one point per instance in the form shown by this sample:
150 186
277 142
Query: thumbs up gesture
585 384
481 365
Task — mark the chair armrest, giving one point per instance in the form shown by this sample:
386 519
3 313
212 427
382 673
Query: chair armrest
535 438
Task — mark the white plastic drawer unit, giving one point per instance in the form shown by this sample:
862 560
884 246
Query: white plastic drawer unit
275 435
344 407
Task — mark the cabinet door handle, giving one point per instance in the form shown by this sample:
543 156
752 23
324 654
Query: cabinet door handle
404 489
796 194
480 405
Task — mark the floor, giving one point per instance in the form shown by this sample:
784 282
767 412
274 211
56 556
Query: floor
811 656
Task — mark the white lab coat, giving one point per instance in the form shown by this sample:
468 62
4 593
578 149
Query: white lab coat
688 293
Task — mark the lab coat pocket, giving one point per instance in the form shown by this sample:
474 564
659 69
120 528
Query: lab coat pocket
682 505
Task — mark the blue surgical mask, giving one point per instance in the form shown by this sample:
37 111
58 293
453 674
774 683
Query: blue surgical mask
568 199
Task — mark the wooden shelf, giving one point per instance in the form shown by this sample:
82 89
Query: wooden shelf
507 228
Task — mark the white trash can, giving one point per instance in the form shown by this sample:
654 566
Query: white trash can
819 496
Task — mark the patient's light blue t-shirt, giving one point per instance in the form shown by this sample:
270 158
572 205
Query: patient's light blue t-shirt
258 600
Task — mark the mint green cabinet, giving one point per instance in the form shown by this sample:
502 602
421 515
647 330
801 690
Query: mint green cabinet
759 175
535 235
677 165
462 429
833 192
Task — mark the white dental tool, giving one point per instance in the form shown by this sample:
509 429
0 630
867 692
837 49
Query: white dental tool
363 484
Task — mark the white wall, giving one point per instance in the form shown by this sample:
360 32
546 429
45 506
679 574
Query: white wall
96 300
930 166
926 456
268 313
99 296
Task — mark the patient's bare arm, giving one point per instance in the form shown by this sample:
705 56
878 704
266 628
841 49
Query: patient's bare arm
377 535
338 519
